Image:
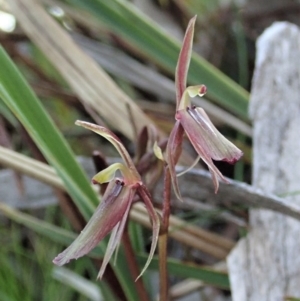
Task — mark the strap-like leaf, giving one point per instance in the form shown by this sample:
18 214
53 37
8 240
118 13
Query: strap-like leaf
23 103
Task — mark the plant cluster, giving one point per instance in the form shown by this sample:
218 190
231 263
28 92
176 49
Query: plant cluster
112 213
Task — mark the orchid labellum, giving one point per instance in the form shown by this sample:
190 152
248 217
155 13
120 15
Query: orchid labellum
208 142
112 213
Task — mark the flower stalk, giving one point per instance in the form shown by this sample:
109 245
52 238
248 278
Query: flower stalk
163 238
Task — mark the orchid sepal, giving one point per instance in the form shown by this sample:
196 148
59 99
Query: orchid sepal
208 142
107 215
113 139
184 59
155 218
173 153
115 238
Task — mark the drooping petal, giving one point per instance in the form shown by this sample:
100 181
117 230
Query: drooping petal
111 210
155 219
208 141
113 139
216 144
184 61
115 237
174 148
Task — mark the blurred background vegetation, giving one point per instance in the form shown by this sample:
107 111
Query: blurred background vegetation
137 44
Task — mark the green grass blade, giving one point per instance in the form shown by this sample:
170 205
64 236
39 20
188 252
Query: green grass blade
190 270
6 113
65 237
138 30
18 96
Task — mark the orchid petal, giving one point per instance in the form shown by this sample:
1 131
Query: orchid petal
110 211
107 174
115 238
113 139
199 90
191 91
158 152
155 219
173 153
220 148
184 61
208 141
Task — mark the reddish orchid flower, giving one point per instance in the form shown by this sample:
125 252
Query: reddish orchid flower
208 142
112 213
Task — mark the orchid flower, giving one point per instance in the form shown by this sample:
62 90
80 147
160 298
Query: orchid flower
112 213
208 142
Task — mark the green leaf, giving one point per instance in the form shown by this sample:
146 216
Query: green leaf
4 111
190 270
148 38
65 237
20 99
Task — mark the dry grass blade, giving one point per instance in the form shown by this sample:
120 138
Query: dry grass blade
92 85
185 287
30 167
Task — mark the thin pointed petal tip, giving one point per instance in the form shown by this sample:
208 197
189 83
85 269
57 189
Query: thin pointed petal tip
155 218
237 155
58 260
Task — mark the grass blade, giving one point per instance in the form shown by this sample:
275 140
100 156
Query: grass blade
139 31
65 237
28 109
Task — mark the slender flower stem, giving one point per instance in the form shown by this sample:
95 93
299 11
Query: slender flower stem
133 266
167 201
163 238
